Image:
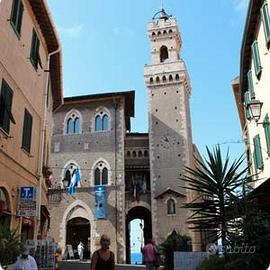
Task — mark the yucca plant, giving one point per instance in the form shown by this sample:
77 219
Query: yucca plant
216 182
10 246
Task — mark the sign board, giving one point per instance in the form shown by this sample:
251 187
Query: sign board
68 254
100 201
27 204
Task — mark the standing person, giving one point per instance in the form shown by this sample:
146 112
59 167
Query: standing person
149 254
58 258
80 249
103 258
25 261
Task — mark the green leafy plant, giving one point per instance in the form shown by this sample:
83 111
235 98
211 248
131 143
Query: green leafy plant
215 181
10 246
214 262
174 242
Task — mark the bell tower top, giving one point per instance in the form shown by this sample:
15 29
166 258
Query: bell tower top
165 38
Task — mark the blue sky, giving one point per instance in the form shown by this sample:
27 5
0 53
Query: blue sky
105 47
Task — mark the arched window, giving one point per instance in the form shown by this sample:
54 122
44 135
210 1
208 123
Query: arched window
73 124
140 153
153 34
163 54
5 215
105 122
97 176
98 123
177 77
159 33
134 154
105 176
157 79
171 207
70 126
170 78
69 173
145 153
77 125
101 174
170 31
164 78
151 80
164 32
128 153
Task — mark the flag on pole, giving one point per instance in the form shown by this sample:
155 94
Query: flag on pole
74 180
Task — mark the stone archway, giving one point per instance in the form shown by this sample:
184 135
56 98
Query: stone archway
78 209
5 208
138 212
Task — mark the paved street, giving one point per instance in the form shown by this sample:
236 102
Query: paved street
85 265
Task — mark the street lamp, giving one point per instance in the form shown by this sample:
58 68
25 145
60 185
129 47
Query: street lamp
255 107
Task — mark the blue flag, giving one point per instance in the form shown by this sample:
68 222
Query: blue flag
74 180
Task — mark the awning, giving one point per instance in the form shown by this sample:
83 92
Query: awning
27 222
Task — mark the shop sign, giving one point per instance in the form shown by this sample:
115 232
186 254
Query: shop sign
28 203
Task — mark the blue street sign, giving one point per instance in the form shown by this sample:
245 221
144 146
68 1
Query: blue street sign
27 194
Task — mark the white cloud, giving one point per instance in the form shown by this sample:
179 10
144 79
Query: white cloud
240 5
72 31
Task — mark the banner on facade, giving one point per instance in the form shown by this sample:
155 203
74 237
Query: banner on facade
100 202
28 202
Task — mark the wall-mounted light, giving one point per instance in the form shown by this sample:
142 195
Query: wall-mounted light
255 108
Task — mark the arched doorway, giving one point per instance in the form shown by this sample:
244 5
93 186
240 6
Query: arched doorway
78 229
5 213
144 215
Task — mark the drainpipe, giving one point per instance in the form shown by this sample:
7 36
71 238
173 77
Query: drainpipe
42 136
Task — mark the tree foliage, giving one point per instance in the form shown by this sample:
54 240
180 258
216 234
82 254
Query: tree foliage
216 182
10 246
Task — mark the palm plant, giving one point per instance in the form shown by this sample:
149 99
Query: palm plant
10 246
215 182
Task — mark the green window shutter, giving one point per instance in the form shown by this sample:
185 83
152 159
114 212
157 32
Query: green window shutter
16 16
266 21
266 125
20 14
5 106
34 53
27 131
256 58
258 152
250 85
247 100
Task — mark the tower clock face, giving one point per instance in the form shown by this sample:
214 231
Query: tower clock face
167 141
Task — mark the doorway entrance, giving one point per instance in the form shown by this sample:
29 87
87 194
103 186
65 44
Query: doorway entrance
78 229
138 226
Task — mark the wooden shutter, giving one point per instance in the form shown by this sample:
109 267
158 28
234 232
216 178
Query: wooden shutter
258 152
247 100
256 58
34 53
266 125
250 85
19 19
5 106
27 131
266 21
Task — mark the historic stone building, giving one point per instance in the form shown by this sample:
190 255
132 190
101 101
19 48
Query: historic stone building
141 171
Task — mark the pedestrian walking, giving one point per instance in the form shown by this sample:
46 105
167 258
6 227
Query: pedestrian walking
149 254
80 249
25 261
103 258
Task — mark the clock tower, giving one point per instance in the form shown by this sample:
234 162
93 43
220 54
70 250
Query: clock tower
170 138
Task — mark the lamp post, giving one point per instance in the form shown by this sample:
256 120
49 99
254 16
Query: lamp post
255 107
